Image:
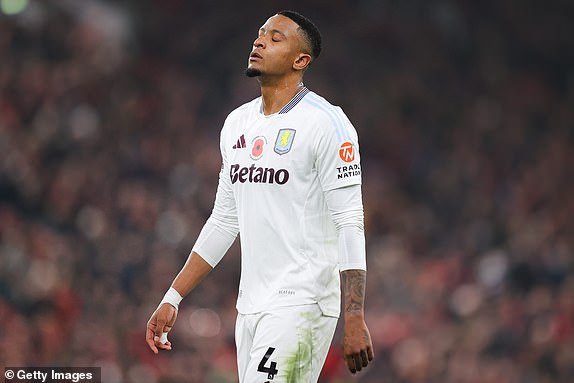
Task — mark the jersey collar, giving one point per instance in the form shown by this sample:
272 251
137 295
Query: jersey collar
294 101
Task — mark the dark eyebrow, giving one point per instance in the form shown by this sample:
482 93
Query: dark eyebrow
273 31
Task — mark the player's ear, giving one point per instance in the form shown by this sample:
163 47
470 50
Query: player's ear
302 61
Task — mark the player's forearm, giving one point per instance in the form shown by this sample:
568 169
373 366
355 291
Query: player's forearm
353 285
191 274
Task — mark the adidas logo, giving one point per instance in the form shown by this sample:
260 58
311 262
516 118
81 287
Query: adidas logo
240 143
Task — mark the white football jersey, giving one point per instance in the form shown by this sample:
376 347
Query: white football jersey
275 170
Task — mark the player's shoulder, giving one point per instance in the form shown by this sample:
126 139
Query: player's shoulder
245 109
239 116
321 108
326 114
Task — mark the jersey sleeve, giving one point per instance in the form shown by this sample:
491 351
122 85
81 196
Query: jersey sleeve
224 208
346 208
337 152
222 226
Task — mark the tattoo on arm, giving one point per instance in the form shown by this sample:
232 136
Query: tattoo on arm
353 282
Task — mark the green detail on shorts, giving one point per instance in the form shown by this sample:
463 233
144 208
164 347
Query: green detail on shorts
298 365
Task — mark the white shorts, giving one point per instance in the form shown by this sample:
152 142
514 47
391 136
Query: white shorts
286 345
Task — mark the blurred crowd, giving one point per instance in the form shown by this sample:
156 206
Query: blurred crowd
109 123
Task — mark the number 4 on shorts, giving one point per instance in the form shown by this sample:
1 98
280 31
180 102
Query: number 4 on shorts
271 370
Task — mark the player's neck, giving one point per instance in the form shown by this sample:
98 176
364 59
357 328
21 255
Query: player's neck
276 94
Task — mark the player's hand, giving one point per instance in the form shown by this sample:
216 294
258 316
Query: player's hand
161 321
357 344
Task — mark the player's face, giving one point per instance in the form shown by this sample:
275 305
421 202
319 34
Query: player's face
276 49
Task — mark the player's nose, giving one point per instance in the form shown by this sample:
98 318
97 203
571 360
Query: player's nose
259 42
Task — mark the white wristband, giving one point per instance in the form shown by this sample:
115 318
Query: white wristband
172 297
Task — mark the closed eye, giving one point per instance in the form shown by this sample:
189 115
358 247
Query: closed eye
277 36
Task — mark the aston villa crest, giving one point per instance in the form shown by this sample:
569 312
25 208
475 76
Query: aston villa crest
284 141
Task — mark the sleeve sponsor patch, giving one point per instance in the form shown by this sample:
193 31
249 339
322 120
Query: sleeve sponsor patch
346 152
347 171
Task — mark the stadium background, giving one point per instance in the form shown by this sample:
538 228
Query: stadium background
109 120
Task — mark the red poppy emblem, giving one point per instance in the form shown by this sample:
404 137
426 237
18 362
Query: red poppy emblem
257 149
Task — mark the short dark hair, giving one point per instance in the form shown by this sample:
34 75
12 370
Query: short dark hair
310 31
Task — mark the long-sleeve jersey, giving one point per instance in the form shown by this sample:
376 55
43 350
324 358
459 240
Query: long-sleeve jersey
272 190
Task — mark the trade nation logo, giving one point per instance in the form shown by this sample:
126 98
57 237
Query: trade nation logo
346 152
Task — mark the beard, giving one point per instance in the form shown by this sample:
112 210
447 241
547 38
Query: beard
252 72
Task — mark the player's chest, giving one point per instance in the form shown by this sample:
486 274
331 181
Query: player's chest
270 144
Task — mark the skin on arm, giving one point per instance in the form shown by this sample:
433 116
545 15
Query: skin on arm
163 318
357 345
